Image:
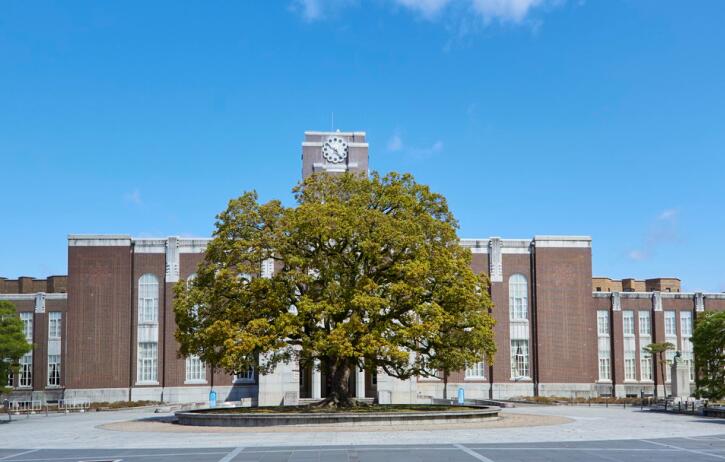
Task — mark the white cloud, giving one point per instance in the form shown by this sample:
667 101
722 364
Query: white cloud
427 8
395 143
313 10
514 11
133 197
662 232
668 214
637 255
505 11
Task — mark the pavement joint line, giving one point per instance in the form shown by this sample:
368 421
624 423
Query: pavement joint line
472 453
530 448
18 454
234 453
693 451
125 456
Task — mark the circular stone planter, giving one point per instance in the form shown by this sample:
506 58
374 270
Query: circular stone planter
230 418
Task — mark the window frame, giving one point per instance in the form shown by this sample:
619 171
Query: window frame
518 286
54 371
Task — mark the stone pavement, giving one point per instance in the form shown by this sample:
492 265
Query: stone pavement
585 424
693 449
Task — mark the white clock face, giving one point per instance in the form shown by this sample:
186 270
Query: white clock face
334 149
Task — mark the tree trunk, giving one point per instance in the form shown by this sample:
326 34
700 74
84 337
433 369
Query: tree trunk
654 360
663 364
339 394
445 385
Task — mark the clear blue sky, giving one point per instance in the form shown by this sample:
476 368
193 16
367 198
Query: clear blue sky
603 118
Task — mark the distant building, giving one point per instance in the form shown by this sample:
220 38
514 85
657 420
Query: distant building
106 332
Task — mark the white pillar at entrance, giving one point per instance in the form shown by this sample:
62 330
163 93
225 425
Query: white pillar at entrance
316 381
359 383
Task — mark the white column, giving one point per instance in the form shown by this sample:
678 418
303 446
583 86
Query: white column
316 381
360 383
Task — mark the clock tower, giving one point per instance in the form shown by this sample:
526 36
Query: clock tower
335 152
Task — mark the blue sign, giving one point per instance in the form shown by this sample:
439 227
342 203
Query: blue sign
461 397
212 398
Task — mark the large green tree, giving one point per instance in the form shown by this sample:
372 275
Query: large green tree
12 342
369 274
708 343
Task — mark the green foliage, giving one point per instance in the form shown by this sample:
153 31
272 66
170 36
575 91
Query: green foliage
369 274
658 350
708 342
12 342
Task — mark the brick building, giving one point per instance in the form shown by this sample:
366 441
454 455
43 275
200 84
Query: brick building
105 332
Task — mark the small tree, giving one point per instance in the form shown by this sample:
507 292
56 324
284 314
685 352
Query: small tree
658 352
708 342
370 274
12 342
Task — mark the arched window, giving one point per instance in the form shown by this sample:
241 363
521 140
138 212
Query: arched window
148 299
518 297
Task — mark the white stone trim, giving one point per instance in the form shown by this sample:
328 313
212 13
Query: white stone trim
99 240
193 245
495 262
316 133
48 296
149 245
515 251
40 302
577 242
318 144
147 383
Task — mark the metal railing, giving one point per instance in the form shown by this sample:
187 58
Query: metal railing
22 407
70 405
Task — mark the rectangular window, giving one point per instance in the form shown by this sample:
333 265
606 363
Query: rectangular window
686 324
670 328
54 318
630 369
519 359
604 369
26 370
11 379
195 370
53 370
604 359
27 318
147 362
628 322
245 377
645 366
645 325
603 323
669 357
147 310
476 371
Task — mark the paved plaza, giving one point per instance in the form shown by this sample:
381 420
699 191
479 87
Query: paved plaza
607 434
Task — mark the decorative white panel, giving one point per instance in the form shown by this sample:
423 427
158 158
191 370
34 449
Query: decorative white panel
495 263
54 347
519 330
40 302
172 260
699 302
616 301
148 333
268 268
657 301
